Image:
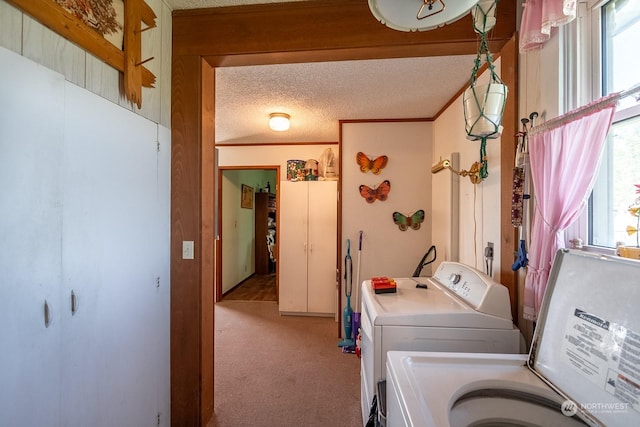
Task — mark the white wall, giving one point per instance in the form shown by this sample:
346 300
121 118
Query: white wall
387 251
479 214
271 155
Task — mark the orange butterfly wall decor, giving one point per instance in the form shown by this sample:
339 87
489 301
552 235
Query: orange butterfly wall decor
374 165
378 193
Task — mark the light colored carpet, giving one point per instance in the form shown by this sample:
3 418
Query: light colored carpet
273 370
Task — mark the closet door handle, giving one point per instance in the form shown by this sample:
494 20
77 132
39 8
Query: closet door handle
74 302
305 247
47 314
311 248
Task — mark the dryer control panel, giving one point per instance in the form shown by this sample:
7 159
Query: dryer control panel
475 287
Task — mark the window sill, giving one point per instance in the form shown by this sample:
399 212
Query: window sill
598 249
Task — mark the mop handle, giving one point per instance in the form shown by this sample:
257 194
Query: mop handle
358 273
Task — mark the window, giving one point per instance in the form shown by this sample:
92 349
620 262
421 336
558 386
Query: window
614 191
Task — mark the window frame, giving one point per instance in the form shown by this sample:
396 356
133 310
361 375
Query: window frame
588 75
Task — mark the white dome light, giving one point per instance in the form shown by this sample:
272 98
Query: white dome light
279 121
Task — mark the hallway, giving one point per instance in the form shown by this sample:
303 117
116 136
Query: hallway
285 371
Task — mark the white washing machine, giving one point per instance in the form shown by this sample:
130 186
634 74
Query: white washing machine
460 310
583 367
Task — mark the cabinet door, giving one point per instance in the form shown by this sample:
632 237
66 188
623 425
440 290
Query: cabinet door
111 343
321 264
31 141
293 246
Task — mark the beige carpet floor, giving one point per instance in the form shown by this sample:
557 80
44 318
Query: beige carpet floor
273 370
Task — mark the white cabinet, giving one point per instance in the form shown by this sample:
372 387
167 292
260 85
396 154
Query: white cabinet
84 196
307 247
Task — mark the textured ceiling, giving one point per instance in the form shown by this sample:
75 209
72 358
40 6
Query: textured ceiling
318 95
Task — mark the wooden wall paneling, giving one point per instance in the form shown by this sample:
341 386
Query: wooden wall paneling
185 225
10 27
164 82
325 29
207 239
510 121
192 180
53 51
102 79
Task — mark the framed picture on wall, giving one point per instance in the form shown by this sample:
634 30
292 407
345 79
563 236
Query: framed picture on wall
246 199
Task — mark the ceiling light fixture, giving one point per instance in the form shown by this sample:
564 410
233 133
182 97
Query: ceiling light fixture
279 121
419 15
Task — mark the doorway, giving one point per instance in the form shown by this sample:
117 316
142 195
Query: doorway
246 264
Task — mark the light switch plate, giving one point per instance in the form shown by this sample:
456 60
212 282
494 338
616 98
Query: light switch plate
187 249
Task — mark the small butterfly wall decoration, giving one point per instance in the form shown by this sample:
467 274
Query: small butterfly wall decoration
378 193
412 221
374 165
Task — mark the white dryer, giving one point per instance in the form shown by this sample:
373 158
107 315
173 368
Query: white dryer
583 367
460 310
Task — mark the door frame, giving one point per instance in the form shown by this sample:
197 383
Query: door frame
326 30
219 237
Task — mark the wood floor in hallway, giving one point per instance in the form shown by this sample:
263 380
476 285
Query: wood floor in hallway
255 288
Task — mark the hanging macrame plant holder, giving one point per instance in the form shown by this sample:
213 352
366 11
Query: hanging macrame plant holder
484 103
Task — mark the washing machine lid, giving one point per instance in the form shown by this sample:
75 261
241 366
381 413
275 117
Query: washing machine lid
587 340
435 306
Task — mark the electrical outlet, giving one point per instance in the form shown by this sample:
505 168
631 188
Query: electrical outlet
187 249
488 251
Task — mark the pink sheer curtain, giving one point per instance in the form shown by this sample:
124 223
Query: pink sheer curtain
539 16
564 155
